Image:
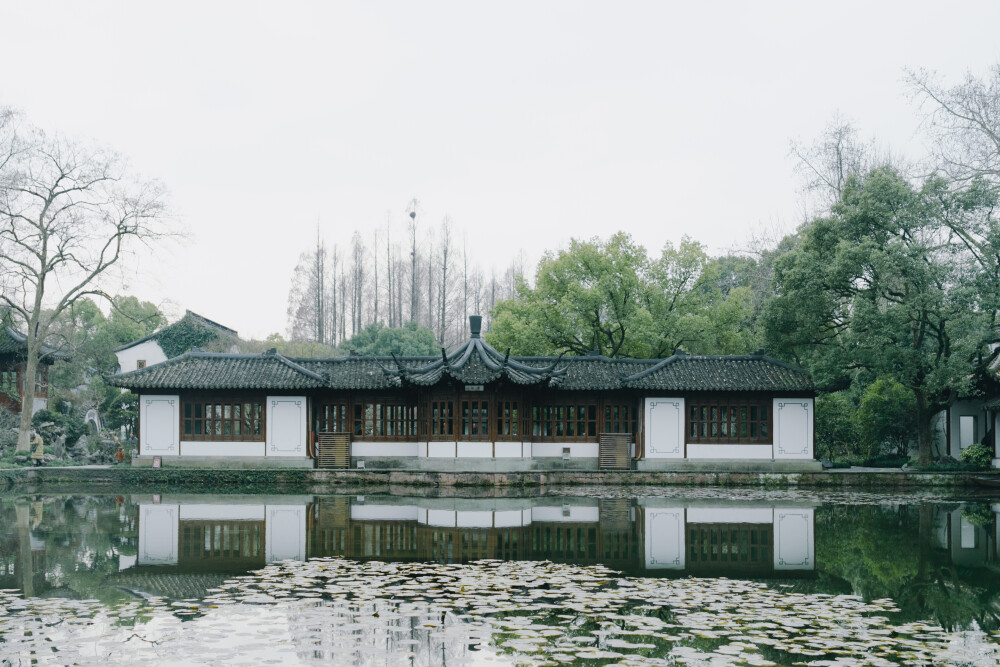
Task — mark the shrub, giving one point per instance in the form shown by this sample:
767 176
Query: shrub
978 455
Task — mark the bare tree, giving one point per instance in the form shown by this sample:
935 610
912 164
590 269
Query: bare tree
68 214
443 285
827 163
963 120
412 212
308 312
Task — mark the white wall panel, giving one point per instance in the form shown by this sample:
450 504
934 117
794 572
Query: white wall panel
440 450
158 529
385 512
200 448
376 449
793 428
208 512
479 450
732 514
577 450
286 426
664 431
664 531
566 513
508 450
793 539
159 418
285 533
729 451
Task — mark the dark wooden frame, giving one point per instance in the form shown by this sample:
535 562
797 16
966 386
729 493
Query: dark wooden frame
224 400
729 402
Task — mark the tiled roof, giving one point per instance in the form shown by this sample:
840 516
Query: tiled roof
475 363
13 341
204 370
754 372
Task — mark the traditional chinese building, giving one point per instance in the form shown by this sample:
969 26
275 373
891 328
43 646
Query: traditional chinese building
13 352
475 408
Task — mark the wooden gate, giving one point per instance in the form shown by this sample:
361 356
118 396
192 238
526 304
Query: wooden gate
333 450
613 452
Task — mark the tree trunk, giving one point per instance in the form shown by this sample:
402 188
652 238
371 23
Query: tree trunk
27 569
27 401
924 416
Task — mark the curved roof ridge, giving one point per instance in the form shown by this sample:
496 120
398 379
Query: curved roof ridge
299 369
663 363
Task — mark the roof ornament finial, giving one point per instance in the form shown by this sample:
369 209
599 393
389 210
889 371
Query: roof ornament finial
475 325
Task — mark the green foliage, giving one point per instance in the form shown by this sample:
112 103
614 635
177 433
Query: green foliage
408 340
51 425
878 290
185 334
887 418
610 296
303 349
836 428
978 455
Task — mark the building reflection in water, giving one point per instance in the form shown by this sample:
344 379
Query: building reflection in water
639 536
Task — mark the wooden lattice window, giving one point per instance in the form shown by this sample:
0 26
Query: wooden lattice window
387 421
475 420
332 418
729 420
228 419
508 426
8 382
619 418
562 422
442 420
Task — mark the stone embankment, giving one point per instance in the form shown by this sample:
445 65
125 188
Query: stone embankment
126 478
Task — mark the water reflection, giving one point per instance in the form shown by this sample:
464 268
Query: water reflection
935 560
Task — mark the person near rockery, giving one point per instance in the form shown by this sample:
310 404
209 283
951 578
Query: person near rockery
37 448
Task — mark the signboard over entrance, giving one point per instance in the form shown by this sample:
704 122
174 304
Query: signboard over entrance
474 387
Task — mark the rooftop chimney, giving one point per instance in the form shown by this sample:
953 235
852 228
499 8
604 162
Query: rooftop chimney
475 325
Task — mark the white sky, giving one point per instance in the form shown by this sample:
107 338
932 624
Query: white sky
527 122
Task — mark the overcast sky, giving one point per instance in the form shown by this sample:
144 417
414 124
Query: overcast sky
527 123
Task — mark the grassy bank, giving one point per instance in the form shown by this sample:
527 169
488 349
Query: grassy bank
129 479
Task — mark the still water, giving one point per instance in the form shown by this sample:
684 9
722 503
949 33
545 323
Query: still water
663 577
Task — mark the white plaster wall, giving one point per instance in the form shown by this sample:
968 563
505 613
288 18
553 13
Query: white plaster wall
285 530
200 448
39 404
959 409
794 539
664 537
375 449
577 450
385 512
664 418
150 351
440 450
509 518
159 418
509 450
474 518
442 518
793 428
700 451
204 512
286 426
730 515
483 450
158 529
566 513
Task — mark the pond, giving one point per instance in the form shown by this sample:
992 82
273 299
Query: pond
582 576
